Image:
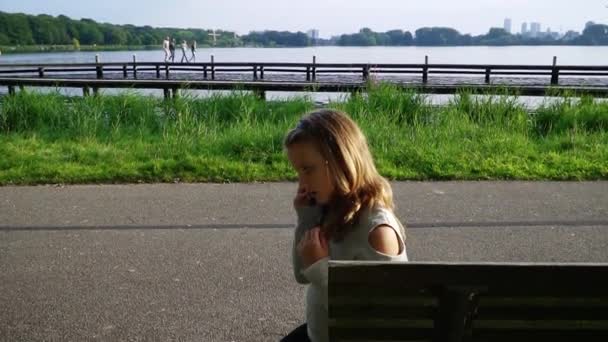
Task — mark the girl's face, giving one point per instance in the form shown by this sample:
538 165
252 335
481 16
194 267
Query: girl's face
313 171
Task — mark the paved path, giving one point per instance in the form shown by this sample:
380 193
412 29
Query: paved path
209 262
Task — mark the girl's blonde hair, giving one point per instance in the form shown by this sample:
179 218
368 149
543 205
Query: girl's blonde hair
358 185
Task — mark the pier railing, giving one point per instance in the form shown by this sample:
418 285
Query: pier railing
170 75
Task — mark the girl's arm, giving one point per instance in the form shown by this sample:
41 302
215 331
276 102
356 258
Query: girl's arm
308 217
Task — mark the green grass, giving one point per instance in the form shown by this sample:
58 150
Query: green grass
238 138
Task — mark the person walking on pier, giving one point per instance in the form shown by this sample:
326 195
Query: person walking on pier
193 50
172 50
184 47
344 209
166 49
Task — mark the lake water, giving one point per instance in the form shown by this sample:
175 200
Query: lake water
532 55
537 55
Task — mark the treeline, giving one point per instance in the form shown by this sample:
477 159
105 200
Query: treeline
444 36
26 30
22 29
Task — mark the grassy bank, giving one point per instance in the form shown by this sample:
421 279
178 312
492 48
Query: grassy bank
130 138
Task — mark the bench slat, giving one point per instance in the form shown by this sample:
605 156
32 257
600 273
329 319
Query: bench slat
544 301
534 290
384 334
390 278
535 336
534 313
548 325
384 312
371 299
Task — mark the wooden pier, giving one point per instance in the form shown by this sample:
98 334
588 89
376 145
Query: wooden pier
524 80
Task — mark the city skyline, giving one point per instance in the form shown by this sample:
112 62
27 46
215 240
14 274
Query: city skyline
242 17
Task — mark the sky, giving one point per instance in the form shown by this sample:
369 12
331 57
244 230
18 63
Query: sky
330 17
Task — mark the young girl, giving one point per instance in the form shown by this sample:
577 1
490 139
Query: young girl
344 209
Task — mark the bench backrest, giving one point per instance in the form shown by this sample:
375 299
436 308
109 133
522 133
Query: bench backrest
377 301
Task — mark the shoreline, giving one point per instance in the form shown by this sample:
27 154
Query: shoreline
36 49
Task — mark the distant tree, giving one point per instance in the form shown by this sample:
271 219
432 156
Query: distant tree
497 33
466 40
437 36
595 35
273 38
114 35
498 36
16 27
398 37
48 30
4 40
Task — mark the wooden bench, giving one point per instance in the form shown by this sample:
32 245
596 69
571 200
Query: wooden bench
518 302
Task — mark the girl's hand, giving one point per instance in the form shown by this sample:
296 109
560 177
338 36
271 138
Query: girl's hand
313 247
302 198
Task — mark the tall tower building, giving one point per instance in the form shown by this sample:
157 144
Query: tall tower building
508 25
524 29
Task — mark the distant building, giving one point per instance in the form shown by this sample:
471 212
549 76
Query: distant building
571 35
524 29
508 25
535 29
550 34
313 34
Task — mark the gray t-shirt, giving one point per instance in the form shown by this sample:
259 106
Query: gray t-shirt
355 246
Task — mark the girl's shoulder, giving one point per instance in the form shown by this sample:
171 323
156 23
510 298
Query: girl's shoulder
370 219
376 213
373 217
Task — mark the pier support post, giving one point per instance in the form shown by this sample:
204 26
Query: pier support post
425 70
99 67
212 67
134 66
124 71
314 68
255 72
308 73
205 71
366 73
175 93
488 72
41 72
157 71
167 71
261 72
261 94
166 93
11 90
555 72
86 91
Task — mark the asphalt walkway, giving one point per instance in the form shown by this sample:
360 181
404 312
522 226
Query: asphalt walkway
211 262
